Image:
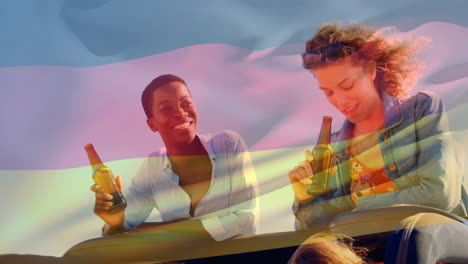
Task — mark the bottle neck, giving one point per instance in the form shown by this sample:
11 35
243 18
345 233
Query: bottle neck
93 157
325 131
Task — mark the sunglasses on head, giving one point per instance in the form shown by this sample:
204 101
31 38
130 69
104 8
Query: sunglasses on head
332 52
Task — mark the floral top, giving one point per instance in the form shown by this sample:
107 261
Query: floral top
366 181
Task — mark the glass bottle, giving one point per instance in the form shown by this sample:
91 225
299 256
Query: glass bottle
103 176
323 160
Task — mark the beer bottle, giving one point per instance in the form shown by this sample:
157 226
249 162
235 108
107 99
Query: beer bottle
102 175
323 159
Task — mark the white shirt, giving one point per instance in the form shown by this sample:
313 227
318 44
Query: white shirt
228 209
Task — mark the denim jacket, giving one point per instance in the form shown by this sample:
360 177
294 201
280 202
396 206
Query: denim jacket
419 157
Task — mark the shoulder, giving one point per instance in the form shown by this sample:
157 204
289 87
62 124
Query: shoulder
226 135
226 141
424 103
152 163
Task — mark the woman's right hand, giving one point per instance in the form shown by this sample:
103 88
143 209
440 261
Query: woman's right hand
301 176
103 203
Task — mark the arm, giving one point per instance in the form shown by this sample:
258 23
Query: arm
317 212
188 229
436 180
140 203
241 217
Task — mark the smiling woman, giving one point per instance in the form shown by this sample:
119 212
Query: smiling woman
404 141
353 94
390 149
203 186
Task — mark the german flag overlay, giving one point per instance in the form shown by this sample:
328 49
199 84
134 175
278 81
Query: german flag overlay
72 72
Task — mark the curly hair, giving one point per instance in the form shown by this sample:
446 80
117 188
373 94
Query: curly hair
393 60
327 248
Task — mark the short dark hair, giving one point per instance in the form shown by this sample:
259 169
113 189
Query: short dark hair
147 95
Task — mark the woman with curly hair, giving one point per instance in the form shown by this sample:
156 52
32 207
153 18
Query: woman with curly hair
391 149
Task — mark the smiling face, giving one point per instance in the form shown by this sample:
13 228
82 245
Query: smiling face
174 115
351 90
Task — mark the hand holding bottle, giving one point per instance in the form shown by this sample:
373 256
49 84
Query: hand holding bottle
103 205
109 204
311 178
301 176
